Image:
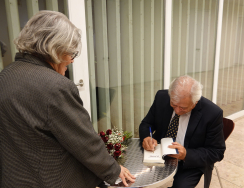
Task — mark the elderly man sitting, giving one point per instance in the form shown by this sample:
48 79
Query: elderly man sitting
198 129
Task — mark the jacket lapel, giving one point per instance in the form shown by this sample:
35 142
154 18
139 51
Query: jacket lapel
168 114
193 123
166 120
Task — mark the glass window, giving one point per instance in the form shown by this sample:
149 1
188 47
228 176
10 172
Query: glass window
125 50
193 41
231 67
14 15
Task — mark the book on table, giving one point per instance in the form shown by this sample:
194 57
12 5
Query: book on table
161 150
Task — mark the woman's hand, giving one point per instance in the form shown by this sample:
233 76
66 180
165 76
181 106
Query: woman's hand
125 175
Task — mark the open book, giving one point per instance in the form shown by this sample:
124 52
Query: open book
161 150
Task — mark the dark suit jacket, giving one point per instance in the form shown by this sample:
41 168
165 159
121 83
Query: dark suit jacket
204 139
46 136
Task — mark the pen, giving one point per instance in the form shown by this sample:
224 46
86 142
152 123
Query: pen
150 133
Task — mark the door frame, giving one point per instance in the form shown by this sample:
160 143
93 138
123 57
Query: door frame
76 9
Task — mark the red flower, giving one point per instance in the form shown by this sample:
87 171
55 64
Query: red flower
110 146
117 146
105 139
102 134
117 153
109 131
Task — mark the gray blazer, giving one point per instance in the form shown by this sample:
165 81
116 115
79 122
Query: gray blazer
46 136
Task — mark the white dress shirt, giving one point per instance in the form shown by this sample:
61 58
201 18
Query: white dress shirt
183 124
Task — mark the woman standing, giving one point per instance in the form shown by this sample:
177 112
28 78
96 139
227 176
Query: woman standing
46 136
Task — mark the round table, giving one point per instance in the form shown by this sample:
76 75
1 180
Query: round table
147 175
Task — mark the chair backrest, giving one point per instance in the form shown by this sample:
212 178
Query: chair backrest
228 127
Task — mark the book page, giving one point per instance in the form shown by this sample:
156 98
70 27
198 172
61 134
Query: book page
165 142
153 157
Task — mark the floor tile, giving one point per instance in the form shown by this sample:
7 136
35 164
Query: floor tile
234 151
238 132
231 173
215 183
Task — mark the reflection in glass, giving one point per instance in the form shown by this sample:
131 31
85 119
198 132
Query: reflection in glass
193 41
125 50
231 78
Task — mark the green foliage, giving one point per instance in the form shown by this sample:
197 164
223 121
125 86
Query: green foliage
127 135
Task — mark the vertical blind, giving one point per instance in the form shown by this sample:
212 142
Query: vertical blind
193 41
14 15
125 50
231 69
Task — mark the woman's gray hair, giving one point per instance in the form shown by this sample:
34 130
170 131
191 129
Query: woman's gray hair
49 35
188 86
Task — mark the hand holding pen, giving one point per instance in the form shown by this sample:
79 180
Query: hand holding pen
149 143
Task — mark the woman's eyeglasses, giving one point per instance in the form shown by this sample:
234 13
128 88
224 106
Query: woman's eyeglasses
74 55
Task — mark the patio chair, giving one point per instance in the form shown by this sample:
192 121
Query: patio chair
228 128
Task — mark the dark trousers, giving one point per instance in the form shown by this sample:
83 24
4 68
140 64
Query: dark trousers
186 178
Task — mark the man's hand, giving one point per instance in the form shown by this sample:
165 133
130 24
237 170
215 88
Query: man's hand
181 150
149 144
125 175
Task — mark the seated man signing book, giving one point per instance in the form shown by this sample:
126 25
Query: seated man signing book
195 122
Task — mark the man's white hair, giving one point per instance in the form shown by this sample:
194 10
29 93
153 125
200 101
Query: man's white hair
185 86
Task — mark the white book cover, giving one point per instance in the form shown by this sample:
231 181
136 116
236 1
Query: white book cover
160 151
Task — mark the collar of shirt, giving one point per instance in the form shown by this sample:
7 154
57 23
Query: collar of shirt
186 114
183 124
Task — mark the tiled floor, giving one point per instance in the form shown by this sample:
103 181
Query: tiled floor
231 168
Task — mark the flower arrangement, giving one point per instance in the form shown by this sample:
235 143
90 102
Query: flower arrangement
115 141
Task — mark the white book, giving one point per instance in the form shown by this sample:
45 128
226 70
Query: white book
161 150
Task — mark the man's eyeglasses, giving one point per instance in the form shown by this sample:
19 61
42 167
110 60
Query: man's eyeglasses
74 55
181 108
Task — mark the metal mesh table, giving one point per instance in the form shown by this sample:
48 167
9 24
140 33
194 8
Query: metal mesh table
147 175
